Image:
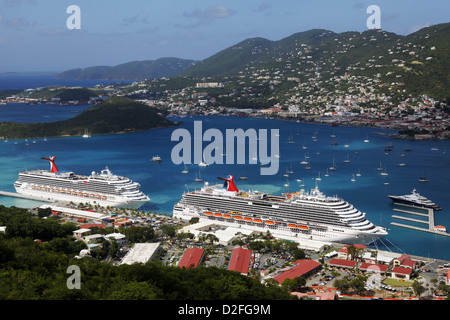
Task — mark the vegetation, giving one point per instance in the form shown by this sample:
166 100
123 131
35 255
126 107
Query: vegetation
115 115
38 270
136 70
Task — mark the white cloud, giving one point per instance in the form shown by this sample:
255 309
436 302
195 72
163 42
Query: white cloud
209 15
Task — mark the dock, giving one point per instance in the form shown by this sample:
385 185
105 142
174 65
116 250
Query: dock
23 196
429 213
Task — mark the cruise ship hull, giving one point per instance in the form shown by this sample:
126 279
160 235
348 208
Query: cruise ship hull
298 215
48 196
338 235
104 188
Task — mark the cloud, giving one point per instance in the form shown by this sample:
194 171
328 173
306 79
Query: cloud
16 23
135 19
209 15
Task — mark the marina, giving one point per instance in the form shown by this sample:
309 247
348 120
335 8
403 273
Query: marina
430 221
165 182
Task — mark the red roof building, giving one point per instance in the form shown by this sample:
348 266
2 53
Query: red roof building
191 258
372 267
240 260
302 268
341 263
401 273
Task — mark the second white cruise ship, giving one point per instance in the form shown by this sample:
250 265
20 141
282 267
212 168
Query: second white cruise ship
307 215
104 188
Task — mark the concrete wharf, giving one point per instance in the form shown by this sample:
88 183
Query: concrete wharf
429 214
23 196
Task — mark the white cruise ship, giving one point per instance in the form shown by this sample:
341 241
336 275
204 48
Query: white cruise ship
104 188
307 215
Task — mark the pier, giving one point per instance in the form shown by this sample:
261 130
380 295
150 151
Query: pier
430 221
23 196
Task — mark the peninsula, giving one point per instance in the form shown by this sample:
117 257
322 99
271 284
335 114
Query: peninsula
115 115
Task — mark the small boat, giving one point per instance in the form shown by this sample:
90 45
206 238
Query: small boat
198 178
156 159
86 134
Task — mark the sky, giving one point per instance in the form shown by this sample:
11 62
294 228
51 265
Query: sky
34 35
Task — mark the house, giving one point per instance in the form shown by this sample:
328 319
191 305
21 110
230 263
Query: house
118 237
192 258
303 268
343 253
80 234
240 260
373 268
342 263
401 273
141 253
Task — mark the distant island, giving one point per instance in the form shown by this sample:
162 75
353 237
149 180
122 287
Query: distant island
135 70
115 115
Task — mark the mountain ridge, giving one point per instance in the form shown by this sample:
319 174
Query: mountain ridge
133 70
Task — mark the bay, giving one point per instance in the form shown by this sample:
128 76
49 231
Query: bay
130 155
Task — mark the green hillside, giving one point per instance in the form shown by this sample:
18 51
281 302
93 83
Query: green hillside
419 60
136 70
116 115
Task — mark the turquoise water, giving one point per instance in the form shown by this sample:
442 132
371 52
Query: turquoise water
129 155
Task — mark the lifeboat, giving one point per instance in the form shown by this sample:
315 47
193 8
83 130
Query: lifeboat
257 220
208 213
292 226
238 218
227 216
247 219
269 222
92 195
104 197
217 214
302 227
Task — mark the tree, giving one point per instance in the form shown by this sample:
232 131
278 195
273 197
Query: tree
418 288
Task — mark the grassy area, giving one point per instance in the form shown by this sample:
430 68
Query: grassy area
397 283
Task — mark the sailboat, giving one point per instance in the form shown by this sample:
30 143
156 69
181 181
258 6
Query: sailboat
353 178
423 178
185 169
290 171
86 134
346 159
198 178
358 174
333 167
326 174
380 168
319 178
384 173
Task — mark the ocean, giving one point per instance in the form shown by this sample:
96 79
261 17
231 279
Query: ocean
130 155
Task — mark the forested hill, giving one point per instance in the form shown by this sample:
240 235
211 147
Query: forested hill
37 270
135 70
115 115
420 61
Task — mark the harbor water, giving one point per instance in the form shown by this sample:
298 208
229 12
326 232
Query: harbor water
130 155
